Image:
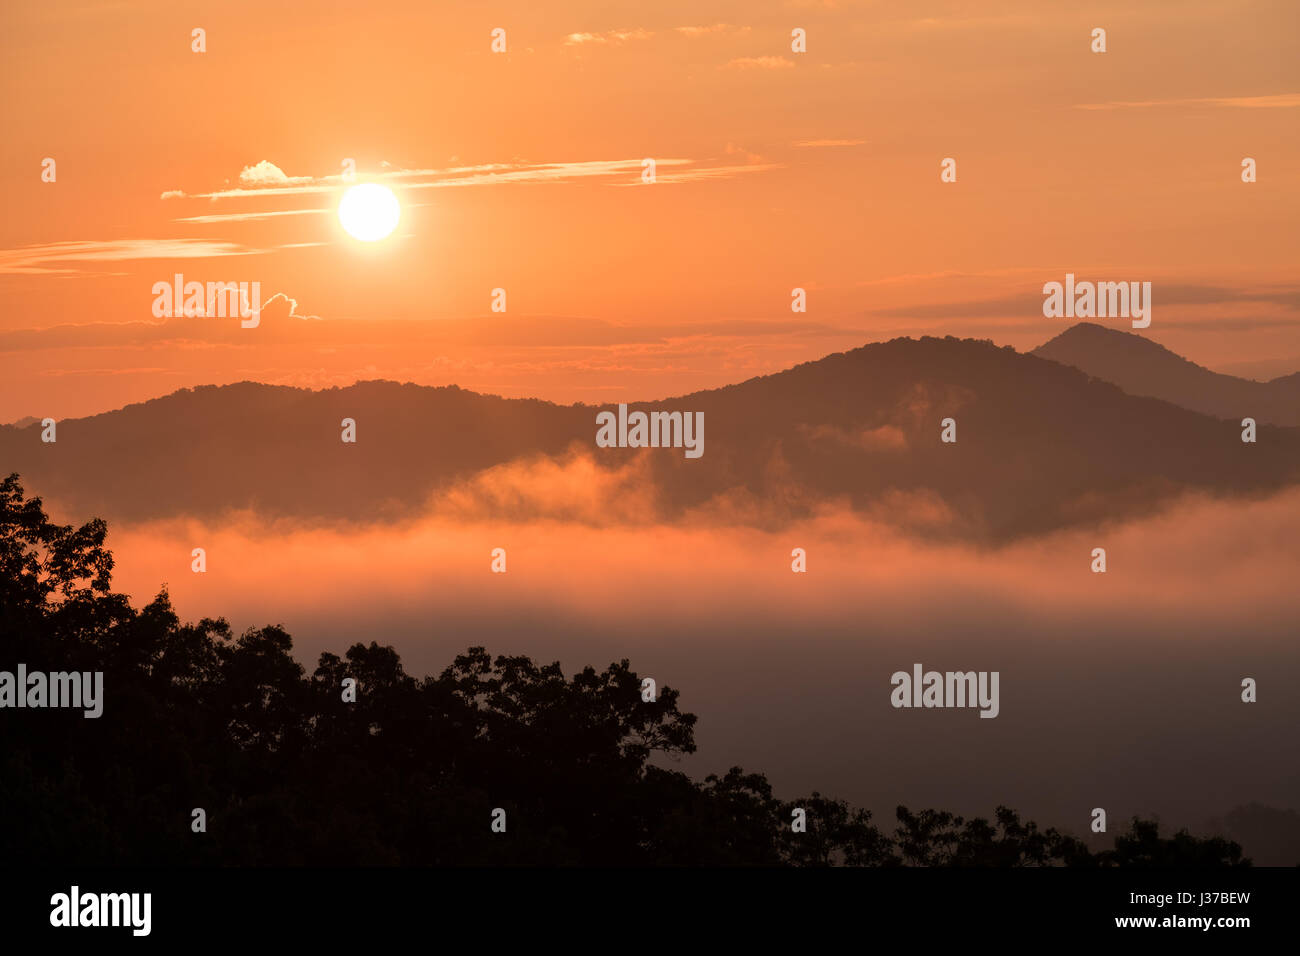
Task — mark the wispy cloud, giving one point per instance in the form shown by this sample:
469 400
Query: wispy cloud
956 23
695 32
749 157
712 172
266 180
822 143
760 63
1273 101
908 277
487 174
609 36
541 172
33 260
247 216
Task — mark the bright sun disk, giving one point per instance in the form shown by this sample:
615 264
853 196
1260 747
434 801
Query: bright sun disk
369 212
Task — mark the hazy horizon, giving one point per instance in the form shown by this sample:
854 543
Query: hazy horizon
1283 367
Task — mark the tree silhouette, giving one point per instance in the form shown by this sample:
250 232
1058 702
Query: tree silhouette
1142 845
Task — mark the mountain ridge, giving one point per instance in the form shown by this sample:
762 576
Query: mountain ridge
1041 446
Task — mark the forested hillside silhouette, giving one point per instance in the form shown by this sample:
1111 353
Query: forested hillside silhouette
1040 446
195 716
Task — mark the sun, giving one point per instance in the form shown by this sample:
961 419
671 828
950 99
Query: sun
369 212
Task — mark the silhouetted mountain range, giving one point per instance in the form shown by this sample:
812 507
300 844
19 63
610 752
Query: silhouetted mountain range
1040 446
1142 367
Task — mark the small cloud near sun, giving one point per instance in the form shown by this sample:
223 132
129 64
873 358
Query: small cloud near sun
266 173
262 175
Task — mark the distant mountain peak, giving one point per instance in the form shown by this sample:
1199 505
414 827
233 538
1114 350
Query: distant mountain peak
1100 335
1142 367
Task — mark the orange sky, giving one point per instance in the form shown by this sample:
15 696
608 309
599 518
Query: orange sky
522 170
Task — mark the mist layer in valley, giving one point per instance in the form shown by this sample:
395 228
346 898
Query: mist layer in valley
1039 447
1119 690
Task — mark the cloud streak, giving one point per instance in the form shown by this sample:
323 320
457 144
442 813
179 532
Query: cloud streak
1273 101
760 63
608 37
696 32
251 216
35 260
826 143
487 174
